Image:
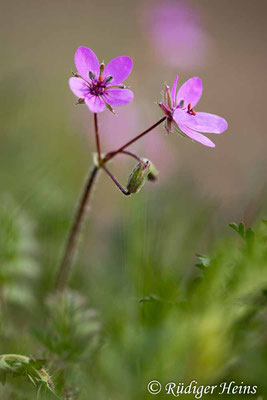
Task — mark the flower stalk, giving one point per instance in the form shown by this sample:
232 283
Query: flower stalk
97 139
66 263
112 154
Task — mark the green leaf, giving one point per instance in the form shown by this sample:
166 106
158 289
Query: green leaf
246 234
234 226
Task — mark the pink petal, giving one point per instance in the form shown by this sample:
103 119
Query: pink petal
119 68
95 104
85 61
79 87
173 90
210 123
196 136
190 92
118 97
182 117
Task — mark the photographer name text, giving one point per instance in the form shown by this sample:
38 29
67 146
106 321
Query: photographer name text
179 388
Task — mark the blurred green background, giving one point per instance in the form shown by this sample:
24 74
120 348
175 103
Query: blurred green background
138 308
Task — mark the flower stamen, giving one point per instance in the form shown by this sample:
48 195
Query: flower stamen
102 67
181 104
190 110
109 79
91 75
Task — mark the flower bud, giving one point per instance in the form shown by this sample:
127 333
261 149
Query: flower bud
138 176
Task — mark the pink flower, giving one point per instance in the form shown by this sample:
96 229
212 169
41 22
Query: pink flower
175 32
182 117
99 86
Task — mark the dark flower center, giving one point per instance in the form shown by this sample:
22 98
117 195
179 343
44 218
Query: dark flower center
97 86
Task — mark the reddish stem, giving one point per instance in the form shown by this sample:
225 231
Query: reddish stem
65 266
113 153
125 192
97 139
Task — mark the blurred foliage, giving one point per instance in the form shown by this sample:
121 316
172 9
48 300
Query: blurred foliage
19 268
18 365
142 311
70 330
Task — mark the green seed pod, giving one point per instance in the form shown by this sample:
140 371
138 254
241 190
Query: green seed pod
138 176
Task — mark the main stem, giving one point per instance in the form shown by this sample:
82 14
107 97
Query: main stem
65 266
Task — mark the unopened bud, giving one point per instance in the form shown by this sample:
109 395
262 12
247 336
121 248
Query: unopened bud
138 176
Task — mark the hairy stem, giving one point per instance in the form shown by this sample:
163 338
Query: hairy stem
65 266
